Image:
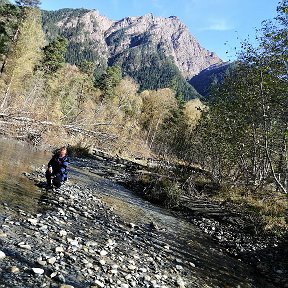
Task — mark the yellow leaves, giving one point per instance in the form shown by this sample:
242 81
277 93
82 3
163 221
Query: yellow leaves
193 111
24 55
157 104
127 99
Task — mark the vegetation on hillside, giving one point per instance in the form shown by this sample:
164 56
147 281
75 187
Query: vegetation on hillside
143 60
239 137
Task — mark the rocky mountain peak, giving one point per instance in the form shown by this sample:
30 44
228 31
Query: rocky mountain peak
111 38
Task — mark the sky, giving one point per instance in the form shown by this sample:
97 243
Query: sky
219 25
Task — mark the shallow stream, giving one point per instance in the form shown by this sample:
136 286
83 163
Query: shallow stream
189 245
17 158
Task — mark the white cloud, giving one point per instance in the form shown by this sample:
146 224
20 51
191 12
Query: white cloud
218 25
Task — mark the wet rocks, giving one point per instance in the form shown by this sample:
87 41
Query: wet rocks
78 241
38 271
2 255
63 246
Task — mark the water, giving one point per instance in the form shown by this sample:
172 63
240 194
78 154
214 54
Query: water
16 189
213 267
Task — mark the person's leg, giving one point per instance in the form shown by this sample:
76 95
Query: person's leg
57 180
48 178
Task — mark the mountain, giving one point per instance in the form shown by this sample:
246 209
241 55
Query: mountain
157 52
214 74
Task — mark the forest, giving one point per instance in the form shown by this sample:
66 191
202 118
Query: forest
239 135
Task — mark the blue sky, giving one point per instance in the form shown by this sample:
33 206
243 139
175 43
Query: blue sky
219 25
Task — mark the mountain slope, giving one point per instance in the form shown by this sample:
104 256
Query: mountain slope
157 52
214 74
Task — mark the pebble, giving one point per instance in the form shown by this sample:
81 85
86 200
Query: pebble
138 258
103 253
53 274
192 264
63 233
14 269
59 249
2 255
38 270
24 246
51 260
102 262
98 284
41 262
32 221
2 234
180 283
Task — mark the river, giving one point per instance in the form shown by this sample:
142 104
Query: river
208 262
17 158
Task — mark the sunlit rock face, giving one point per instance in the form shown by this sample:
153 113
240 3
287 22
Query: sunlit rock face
108 39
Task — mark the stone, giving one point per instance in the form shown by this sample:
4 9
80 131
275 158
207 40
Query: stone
103 253
102 262
114 271
98 284
192 264
59 249
38 271
128 276
51 260
2 255
53 274
14 269
32 221
180 283
63 233
22 245
41 262
147 278
2 234
66 286
132 225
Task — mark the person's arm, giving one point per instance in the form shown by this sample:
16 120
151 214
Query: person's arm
50 164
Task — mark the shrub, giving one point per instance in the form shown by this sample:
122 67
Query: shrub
78 151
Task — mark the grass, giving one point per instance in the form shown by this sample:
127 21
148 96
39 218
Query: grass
158 190
270 207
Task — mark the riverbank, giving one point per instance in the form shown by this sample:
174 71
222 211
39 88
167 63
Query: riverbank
95 233
235 228
79 238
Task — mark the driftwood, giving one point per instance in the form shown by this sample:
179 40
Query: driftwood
32 130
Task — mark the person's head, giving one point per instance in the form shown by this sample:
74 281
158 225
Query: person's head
62 151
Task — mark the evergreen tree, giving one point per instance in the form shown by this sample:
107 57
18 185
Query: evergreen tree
109 80
54 55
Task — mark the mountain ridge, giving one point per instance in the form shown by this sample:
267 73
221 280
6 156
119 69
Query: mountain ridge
132 42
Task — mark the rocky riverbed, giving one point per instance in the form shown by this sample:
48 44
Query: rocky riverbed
79 237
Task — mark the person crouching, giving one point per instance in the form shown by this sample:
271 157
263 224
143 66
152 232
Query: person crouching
56 173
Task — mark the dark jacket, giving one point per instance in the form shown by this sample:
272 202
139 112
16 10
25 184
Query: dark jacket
59 166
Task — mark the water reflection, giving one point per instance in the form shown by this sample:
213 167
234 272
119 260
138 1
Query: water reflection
15 159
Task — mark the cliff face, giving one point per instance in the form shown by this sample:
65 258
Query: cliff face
108 39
